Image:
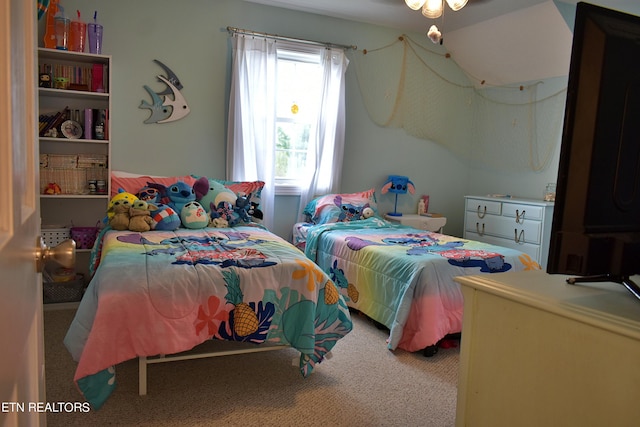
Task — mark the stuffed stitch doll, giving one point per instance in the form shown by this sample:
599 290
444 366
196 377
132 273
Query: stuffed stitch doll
148 194
242 206
176 195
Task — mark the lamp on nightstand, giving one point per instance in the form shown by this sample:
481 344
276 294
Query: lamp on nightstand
397 184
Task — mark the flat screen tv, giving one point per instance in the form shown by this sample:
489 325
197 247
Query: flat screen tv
596 221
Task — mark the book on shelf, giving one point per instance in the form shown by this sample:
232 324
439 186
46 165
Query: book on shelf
47 122
97 78
82 77
53 121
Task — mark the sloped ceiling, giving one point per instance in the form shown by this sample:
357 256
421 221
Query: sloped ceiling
528 44
499 41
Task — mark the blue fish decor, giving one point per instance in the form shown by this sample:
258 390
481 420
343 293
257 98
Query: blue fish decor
168 105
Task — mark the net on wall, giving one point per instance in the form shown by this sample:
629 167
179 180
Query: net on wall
406 85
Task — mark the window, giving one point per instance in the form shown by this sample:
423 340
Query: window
299 118
298 97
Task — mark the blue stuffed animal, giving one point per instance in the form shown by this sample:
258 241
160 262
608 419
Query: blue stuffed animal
210 192
149 195
224 211
241 208
165 218
175 195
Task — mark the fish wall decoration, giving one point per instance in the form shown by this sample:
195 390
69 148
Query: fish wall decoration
168 105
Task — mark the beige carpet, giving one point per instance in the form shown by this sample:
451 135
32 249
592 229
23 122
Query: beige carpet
363 384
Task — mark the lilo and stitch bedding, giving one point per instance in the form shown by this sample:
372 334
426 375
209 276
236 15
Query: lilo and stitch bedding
164 292
402 277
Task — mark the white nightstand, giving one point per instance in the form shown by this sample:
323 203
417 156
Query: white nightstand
428 223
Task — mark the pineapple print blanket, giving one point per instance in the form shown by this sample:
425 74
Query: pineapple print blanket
164 292
403 277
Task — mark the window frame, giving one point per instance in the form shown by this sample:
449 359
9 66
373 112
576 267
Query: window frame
297 53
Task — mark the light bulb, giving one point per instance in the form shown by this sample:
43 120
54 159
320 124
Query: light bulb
414 4
432 9
456 5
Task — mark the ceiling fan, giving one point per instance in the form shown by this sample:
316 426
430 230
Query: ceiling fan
403 2
434 9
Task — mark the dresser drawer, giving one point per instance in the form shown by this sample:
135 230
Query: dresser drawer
517 223
505 227
522 212
484 207
530 249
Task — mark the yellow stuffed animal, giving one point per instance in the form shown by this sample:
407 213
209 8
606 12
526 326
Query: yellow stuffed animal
122 198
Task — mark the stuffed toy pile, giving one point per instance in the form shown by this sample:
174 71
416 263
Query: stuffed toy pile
207 203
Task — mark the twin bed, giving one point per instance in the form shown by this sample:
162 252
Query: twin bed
400 277
159 293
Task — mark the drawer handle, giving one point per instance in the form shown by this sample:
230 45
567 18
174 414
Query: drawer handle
478 228
520 217
518 238
481 215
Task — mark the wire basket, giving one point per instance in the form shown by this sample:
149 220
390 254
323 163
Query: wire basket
69 291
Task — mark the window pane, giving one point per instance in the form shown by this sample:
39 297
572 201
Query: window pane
291 149
298 100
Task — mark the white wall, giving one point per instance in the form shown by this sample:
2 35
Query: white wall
191 39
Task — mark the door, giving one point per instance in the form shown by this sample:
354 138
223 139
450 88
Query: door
21 327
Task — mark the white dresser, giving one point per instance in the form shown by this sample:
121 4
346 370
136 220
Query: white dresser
522 224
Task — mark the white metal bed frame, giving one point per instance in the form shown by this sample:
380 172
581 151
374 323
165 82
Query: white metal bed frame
144 361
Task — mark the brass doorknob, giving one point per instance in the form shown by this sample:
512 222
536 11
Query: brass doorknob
64 254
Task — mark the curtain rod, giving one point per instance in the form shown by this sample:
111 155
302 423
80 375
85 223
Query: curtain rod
277 37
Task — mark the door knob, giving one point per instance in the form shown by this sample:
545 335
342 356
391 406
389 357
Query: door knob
64 253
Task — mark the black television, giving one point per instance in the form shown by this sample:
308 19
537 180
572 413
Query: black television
595 233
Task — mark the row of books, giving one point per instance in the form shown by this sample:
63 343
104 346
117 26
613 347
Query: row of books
49 122
78 77
93 123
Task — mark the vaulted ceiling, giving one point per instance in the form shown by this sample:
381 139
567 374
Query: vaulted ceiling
500 41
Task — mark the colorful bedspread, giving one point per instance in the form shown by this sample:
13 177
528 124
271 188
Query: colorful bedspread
164 292
403 277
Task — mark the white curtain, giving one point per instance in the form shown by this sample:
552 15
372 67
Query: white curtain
325 163
252 107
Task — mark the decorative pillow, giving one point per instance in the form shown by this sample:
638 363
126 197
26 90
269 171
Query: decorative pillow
244 188
340 207
250 189
133 183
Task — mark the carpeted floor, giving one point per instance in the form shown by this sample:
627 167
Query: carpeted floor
363 384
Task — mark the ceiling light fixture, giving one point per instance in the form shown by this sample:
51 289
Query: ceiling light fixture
433 9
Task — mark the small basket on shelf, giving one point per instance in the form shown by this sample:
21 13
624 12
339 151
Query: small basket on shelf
54 235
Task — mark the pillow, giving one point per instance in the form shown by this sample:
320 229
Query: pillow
340 207
132 183
246 188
